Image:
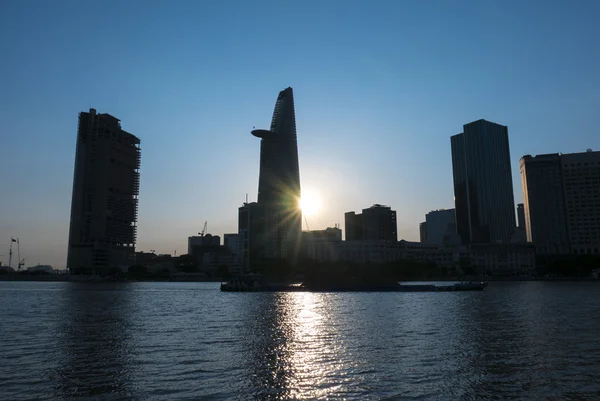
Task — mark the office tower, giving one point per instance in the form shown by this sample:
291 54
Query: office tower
562 202
483 192
544 203
377 222
521 216
104 203
279 181
441 228
423 232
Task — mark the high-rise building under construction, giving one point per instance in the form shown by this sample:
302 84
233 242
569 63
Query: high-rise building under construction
104 203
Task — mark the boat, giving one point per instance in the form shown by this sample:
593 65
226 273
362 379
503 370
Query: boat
258 283
464 286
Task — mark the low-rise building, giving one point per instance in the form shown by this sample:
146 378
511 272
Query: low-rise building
156 263
41 268
503 259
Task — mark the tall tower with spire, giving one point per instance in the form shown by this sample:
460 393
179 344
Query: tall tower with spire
279 181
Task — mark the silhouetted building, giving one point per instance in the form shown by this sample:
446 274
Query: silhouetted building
441 228
354 226
200 246
381 251
544 203
322 245
562 202
377 222
231 241
250 227
423 232
581 179
483 192
329 234
203 240
521 216
279 181
154 264
104 204
503 259
234 244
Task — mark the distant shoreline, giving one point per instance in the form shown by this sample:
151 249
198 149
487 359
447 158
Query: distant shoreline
67 278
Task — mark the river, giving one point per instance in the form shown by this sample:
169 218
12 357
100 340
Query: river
189 341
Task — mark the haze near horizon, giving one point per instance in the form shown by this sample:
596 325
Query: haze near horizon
379 89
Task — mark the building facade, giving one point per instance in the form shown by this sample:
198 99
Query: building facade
441 228
104 203
322 245
250 234
354 226
521 216
581 180
545 210
423 232
376 223
202 240
234 244
483 191
503 259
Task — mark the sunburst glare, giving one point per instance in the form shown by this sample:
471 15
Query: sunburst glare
310 203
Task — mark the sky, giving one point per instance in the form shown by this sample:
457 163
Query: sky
379 87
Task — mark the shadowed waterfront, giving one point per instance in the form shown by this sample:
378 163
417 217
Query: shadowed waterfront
189 340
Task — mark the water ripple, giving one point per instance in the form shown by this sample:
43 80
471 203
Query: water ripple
188 341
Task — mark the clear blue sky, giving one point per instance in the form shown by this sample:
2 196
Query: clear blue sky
380 86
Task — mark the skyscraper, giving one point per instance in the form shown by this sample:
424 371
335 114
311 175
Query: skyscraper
104 202
483 192
279 179
544 203
562 202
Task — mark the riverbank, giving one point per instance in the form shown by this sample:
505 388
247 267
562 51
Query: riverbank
66 277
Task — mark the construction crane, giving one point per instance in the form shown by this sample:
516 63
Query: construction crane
20 262
10 251
204 229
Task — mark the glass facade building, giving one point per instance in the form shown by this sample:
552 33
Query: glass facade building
483 191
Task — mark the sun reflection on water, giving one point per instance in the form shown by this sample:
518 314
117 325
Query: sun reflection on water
317 352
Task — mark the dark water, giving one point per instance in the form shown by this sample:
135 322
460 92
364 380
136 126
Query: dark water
188 341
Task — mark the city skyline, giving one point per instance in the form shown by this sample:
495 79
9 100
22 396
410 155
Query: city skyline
379 101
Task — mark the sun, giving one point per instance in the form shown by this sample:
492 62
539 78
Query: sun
310 203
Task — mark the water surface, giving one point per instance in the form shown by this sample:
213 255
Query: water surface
164 341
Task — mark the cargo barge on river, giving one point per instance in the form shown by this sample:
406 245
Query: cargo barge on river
256 283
